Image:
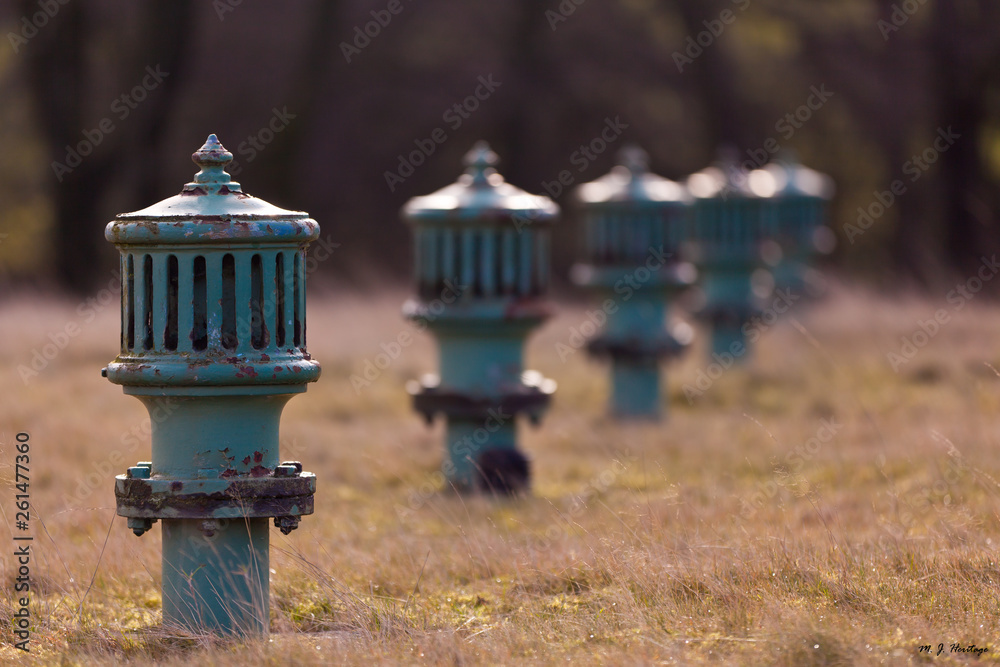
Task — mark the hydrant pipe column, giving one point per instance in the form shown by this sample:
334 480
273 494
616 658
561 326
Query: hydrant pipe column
481 264
732 216
635 223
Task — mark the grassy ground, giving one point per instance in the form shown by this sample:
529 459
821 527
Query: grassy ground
814 507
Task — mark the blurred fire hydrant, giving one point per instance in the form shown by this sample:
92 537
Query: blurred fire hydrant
733 215
214 326
800 202
482 272
634 224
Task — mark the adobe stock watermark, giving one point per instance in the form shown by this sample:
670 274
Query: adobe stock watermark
794 461
96 475
626 287
583 156
57 341
695 45
958 297
319 252
915 167
257 142
223 7
562 12
372 368
121 108
29 26
786 126
364 34
900 14
751 330
454 116
467 448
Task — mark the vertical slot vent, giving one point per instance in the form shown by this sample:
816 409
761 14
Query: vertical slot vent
122 296
508 262
147 315
170 331
279 298
199 330
297 291
229 339
130 302
259 335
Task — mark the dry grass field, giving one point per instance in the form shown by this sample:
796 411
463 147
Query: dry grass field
812 507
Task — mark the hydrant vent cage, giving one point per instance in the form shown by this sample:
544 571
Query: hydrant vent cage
802 195
165 302
631 213
733 211
481 236
213 286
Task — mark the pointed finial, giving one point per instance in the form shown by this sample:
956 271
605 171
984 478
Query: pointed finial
213 158
634 159
480 163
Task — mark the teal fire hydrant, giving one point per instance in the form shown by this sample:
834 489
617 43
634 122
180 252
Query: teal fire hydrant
482 273
732 215
634 223
800 201
213 344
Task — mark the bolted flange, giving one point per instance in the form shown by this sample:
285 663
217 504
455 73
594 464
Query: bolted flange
285 491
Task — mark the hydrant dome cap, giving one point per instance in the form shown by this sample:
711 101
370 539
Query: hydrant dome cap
480 192
212 193
211 207
631 181
794 179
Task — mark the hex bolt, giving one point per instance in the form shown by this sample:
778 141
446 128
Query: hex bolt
198 264
139 471
139 525
209 527
286 523
482 275
288 469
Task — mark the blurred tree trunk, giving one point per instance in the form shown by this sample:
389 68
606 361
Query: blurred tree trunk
723 106
963 40
312 71
531 87
881 82
63 93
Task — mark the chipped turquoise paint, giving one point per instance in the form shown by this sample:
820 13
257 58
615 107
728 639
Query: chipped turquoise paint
213 343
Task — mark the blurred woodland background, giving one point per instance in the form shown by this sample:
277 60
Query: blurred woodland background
341 107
